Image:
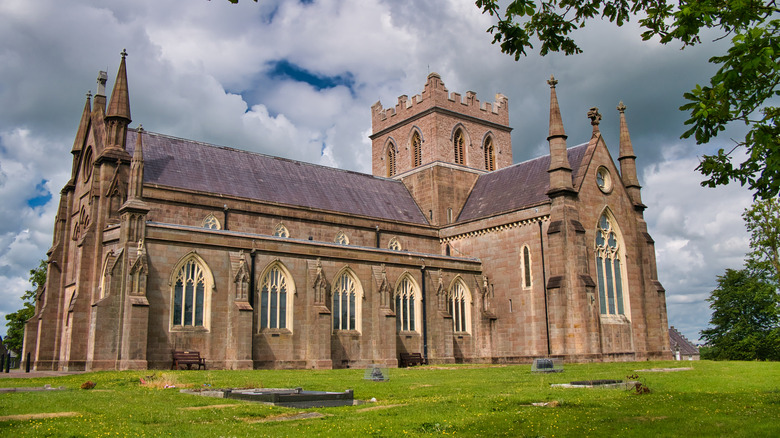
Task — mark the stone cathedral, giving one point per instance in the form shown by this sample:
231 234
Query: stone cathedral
448 250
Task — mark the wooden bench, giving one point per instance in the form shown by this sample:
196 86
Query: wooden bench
188 358
411 359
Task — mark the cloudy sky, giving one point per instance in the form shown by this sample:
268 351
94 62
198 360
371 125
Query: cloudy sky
297 79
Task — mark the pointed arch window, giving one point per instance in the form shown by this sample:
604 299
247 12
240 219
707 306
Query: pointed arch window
342 238
609 267
407 305
459 306
527 280
347 295
490 157
281 231
391 160
394 244
212 223
460 147
276 293
191 294
416 149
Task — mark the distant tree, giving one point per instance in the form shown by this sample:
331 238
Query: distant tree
744 88
745 323
762 220
15 333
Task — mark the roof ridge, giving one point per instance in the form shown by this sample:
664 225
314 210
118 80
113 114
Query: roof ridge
261 154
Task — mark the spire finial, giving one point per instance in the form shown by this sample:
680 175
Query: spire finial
552 81
124 53
621 107
89 94
595 118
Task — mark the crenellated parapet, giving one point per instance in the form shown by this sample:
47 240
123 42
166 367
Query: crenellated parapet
439 126
435 94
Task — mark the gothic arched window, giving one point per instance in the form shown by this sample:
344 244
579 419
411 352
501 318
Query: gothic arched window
407 305
390 160
342 238
191 293
460 147
459 306
211 222
394 244
276 293
347 295
490 157
609 267
416 149
281 231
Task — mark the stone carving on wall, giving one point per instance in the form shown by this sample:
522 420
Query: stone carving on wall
320 286
384 289
139 271
241 276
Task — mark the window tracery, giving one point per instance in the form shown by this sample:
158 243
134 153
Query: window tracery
212 223
191 294
346 302
459 306
275 299
610 272
406 305
342 238
281 231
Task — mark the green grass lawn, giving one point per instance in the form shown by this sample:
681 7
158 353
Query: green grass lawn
712 399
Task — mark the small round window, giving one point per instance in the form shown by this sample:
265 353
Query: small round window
604 180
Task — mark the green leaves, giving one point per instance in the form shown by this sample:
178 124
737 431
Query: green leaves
15 333
745 323
740 91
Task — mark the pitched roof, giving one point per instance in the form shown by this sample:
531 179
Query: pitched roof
677 340
515 187
191 165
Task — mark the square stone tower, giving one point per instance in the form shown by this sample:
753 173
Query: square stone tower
436 126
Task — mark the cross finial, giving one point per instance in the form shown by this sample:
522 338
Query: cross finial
124 53
552 81
621 107
89 94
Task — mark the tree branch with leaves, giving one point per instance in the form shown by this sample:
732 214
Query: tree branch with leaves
743 90
15 325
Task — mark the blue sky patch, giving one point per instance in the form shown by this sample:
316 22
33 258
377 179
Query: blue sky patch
284 69
43 197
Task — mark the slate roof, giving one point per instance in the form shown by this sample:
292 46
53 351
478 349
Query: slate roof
515 187
191 165
676 339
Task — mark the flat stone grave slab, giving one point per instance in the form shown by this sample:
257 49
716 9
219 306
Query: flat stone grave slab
291 398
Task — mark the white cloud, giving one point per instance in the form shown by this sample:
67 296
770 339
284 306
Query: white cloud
202 72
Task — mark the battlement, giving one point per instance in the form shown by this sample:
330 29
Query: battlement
436 95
